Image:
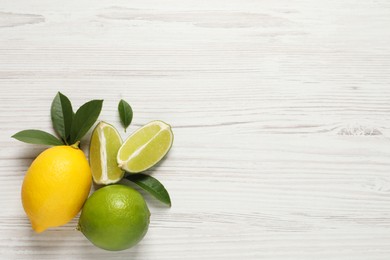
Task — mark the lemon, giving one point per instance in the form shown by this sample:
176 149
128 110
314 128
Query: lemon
114 218
55 187
145 147
103 149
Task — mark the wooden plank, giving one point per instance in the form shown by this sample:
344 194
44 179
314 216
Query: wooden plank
279 109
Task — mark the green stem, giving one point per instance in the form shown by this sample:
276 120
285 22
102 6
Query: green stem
76 145
64 141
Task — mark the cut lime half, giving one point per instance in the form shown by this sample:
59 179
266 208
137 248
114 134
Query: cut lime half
145 147
104 146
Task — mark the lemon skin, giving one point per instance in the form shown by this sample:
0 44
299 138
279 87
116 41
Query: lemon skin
55 187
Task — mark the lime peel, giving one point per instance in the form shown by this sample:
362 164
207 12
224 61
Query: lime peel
115 217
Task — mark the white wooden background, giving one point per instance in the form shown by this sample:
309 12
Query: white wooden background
280 109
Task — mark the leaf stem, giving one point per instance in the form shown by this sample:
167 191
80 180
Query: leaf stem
64 141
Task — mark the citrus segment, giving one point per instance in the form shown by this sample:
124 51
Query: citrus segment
104 146
146 147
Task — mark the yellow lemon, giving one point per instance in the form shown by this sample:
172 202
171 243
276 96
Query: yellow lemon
55 187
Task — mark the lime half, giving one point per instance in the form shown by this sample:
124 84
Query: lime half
104 146
146 147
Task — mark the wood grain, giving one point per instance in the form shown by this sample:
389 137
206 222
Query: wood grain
280 111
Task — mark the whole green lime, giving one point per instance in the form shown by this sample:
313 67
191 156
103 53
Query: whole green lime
115 217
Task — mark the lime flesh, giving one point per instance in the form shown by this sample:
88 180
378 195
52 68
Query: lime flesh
146 147
104 146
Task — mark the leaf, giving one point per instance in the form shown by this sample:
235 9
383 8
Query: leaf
125 113
37 137
84 119
151 185
62 115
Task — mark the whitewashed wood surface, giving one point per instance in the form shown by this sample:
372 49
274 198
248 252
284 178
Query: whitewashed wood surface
280 109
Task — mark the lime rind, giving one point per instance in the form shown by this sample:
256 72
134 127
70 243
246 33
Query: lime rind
145 147
115 217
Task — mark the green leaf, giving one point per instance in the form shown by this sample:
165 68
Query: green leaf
37 137
84 119
151 185
62 115
125 113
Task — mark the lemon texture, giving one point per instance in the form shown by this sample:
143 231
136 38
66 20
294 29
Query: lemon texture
145 147
115 217
104 146
55 187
